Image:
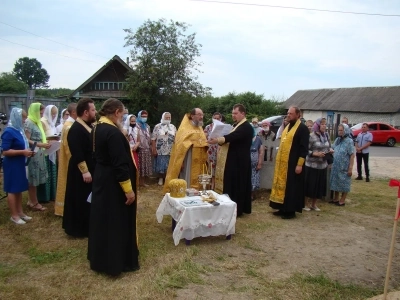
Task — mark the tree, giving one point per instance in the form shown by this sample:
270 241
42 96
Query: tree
30 71
164 62
10 84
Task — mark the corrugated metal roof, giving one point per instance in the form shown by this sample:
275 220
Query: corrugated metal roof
362 99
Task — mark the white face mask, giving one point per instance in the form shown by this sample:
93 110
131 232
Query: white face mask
166 122
266 128
144 120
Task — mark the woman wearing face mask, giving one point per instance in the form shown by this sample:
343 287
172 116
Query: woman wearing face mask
145 165
131 132
15 150
161 142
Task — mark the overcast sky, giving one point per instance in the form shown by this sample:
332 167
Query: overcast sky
270 51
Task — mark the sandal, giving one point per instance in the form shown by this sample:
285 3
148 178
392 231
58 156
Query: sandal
36 207
340 204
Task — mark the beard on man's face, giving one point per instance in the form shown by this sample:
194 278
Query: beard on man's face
198 123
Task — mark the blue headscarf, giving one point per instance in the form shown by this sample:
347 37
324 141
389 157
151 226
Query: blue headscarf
346 129
16 123
140 120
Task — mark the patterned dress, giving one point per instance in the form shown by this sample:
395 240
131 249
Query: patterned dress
164 137
145 165
47 192
212 150
344 148
37 171
254 153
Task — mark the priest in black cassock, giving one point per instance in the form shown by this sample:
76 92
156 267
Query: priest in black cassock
80 171
112 245
233 171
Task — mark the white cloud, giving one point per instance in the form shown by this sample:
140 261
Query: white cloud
240 43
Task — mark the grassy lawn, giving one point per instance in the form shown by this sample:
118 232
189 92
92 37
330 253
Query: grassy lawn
38 261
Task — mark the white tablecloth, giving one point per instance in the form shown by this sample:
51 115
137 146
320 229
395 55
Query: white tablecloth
195 218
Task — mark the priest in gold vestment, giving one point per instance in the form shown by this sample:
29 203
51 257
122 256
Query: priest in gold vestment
189 152
63 161
287 193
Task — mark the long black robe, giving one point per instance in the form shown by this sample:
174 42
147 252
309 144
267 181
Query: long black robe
237 174
112 246
76 207
294 191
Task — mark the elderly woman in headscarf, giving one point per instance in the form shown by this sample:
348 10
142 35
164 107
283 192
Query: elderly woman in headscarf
15 150
268 138
162 139
47 192
145 165
316 164
257 158
37 172
130 130
342 167
63 117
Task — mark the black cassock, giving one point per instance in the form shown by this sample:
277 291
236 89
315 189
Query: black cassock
76 207
112 247
237 174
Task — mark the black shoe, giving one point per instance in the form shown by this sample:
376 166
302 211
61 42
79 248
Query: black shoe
367 179
278 213
359 178
287 216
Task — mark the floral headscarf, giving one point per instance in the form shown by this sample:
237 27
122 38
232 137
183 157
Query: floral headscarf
16 123
34 116
317 130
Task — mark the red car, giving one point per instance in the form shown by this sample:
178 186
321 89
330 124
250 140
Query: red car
382 133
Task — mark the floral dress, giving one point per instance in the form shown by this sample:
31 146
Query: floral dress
254 153
164 137
212 150
344 148
37 170
145 160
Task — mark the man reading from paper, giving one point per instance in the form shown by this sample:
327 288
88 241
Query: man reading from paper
189 152
233 172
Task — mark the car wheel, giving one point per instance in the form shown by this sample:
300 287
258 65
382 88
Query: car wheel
391 142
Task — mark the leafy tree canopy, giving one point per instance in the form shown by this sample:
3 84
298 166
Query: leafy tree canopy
30 71
10 84
55 92
256 105
165 64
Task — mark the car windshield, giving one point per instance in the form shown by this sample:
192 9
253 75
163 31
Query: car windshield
356 127
274 118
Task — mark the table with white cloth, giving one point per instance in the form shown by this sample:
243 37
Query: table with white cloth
192 217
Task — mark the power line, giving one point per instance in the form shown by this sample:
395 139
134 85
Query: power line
52 40
49 51
299 8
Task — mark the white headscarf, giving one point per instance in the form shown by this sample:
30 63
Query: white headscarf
62 116
50 120
128 122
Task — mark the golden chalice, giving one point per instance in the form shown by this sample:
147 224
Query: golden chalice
204 179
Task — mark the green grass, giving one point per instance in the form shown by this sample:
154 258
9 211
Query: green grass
38 261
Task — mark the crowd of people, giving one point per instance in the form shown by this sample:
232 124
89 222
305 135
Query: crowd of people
92 169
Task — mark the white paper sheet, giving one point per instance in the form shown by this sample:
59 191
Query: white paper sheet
220 129
54 146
